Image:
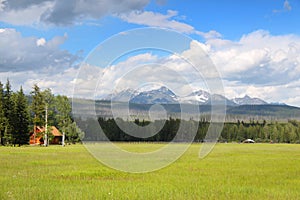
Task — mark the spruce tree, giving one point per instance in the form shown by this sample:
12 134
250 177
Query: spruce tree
8 113
21 119
2 117
37 108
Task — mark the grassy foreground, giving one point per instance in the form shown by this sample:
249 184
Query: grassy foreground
231 171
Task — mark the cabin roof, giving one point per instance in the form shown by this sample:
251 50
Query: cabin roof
53 130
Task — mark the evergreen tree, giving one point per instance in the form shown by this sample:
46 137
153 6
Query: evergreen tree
8 113
241 132
274 135
37 107
2 116
20 132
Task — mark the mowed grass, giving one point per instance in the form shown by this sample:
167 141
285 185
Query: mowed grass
230 171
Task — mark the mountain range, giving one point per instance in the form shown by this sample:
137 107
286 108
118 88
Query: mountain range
141 102
163 95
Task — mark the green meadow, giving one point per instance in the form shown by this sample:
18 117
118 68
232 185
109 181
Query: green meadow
230 171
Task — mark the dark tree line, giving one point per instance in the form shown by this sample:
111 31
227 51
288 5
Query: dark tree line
20 113
285 132
14 116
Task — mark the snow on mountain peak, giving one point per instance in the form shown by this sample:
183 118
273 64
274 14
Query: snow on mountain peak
247 100
163 95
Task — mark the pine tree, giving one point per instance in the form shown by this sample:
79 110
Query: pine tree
8 113
2 117
37 108
21 119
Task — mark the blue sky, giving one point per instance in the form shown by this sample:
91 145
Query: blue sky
254 44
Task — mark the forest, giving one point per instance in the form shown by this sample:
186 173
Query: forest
20 113
259 131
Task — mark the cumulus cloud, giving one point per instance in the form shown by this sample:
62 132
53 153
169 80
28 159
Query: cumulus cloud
18 53
113 74
285 93
41 42
209 35
61 82
138 71
260 65
18 5
30 11
258 58
149 18
63 12
2 6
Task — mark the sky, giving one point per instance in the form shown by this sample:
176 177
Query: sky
254 45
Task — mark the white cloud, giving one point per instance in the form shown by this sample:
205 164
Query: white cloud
18 53
2 6
112 75
258 58
149 18
260 65
63 12
158 20
273 93
41 42
59 82
137 72
209 35
28 16
146 69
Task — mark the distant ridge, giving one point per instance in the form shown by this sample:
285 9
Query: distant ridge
279 111
85 107
246 100
163 95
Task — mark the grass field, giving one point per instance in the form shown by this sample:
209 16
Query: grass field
231 171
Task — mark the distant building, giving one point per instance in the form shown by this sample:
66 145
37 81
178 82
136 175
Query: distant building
37 136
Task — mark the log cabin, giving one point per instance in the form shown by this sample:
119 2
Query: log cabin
37 136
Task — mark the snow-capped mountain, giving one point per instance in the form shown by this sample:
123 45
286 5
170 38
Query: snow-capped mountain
246 100
196 97
122 96
165 96
162 96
